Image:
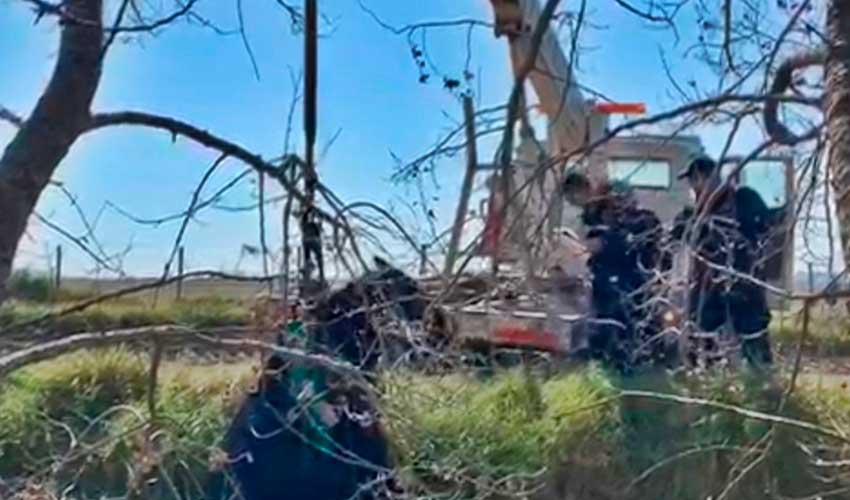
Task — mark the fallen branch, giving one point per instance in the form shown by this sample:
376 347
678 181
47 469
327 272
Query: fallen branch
165 335
744 412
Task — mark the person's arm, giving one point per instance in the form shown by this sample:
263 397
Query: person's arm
674 238
613 241
648 233
681 222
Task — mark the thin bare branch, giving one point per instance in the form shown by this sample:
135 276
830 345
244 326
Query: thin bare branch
119 18
190 212
8 116
261 210
78 242
737 410
168 335
295 15
212 201
408 28
154 25
241 17
43 7
225 147
87 224
727 34
653 14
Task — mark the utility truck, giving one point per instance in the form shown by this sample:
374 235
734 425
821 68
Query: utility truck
539 232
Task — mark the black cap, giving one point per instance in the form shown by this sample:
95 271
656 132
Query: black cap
575 181
701 164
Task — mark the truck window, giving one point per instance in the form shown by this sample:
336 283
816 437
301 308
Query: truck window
641 173
767 178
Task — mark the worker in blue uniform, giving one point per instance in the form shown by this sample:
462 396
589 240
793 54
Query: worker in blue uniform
726 230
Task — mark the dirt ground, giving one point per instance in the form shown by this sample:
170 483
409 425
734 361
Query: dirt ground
820 371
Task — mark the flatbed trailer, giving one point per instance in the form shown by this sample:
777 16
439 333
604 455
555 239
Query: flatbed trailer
520 329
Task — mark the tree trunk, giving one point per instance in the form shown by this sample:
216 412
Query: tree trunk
59 117
837 108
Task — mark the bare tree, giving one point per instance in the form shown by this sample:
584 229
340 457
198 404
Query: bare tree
63 112
837 108
60 117
832 55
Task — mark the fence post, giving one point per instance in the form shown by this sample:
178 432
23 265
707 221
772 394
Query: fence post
54 275
58 278
180 263
423 259
811 278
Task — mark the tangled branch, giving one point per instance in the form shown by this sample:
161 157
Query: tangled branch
782 81
166 334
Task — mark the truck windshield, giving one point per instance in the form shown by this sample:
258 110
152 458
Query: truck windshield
767 177
640 173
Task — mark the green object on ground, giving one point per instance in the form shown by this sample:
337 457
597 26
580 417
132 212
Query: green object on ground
309 377
295 334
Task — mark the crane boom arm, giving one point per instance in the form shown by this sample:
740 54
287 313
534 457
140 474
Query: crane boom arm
552 79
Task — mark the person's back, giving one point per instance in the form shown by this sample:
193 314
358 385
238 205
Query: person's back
629 237
622 240
726 230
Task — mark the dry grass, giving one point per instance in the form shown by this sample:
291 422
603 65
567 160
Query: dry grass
129 313
192 289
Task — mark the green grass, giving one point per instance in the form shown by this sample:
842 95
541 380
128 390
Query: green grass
511 426
829 332
128 313
27 285
475 438
567 433
100 400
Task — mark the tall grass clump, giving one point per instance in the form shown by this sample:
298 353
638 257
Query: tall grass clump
24 284
82 421
456 431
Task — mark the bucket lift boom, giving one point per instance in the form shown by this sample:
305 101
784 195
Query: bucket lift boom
552 79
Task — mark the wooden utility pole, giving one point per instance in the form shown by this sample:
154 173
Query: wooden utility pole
811 278
310 89
466 186
310 226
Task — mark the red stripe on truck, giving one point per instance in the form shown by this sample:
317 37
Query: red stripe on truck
521 336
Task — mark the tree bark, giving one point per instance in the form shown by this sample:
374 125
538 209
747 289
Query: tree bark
59 117
837 109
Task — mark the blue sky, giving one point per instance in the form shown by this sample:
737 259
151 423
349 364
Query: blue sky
368 91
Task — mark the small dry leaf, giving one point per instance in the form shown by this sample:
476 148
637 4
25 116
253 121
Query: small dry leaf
218 460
